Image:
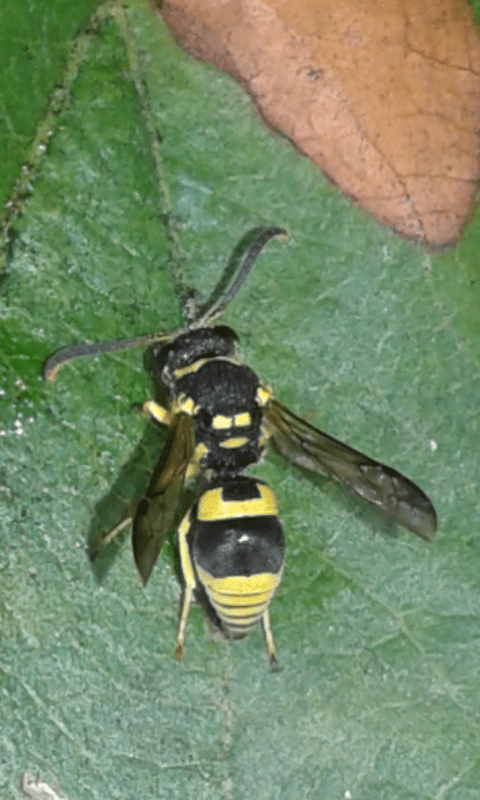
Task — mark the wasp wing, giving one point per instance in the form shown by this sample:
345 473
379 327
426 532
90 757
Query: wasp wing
380 485
156 511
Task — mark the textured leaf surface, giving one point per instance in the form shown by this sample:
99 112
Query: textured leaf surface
364 335
35 38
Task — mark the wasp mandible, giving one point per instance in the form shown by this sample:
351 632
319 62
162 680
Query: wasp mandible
219 419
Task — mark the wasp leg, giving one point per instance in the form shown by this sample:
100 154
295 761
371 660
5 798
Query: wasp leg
189 577
116 530
110 537
162 415
187 599
267 632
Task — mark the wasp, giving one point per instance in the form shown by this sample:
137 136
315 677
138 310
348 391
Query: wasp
219 418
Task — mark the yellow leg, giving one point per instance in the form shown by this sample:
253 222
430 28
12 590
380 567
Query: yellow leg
267 631
187 599
157 412
189 577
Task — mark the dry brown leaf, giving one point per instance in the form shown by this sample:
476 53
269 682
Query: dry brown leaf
383 96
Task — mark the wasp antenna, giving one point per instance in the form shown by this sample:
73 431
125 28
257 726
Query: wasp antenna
210 312
57 360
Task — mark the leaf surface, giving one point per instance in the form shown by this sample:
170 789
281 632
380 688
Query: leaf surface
364 335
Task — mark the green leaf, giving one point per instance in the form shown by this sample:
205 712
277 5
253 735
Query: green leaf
35 38
157 166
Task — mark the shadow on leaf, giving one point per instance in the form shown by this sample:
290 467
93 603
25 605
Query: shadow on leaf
121 502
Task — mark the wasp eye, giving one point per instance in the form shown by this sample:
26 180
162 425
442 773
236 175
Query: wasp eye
159 357
204 417
225 332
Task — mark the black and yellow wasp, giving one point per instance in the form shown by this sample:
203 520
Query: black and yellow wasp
219 419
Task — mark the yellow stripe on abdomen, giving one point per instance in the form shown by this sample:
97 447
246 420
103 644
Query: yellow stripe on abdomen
212 507
240 600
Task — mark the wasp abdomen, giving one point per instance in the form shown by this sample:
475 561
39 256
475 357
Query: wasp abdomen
239 562
237 549
240 602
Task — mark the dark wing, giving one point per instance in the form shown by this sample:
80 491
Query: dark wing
380 485
156 511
